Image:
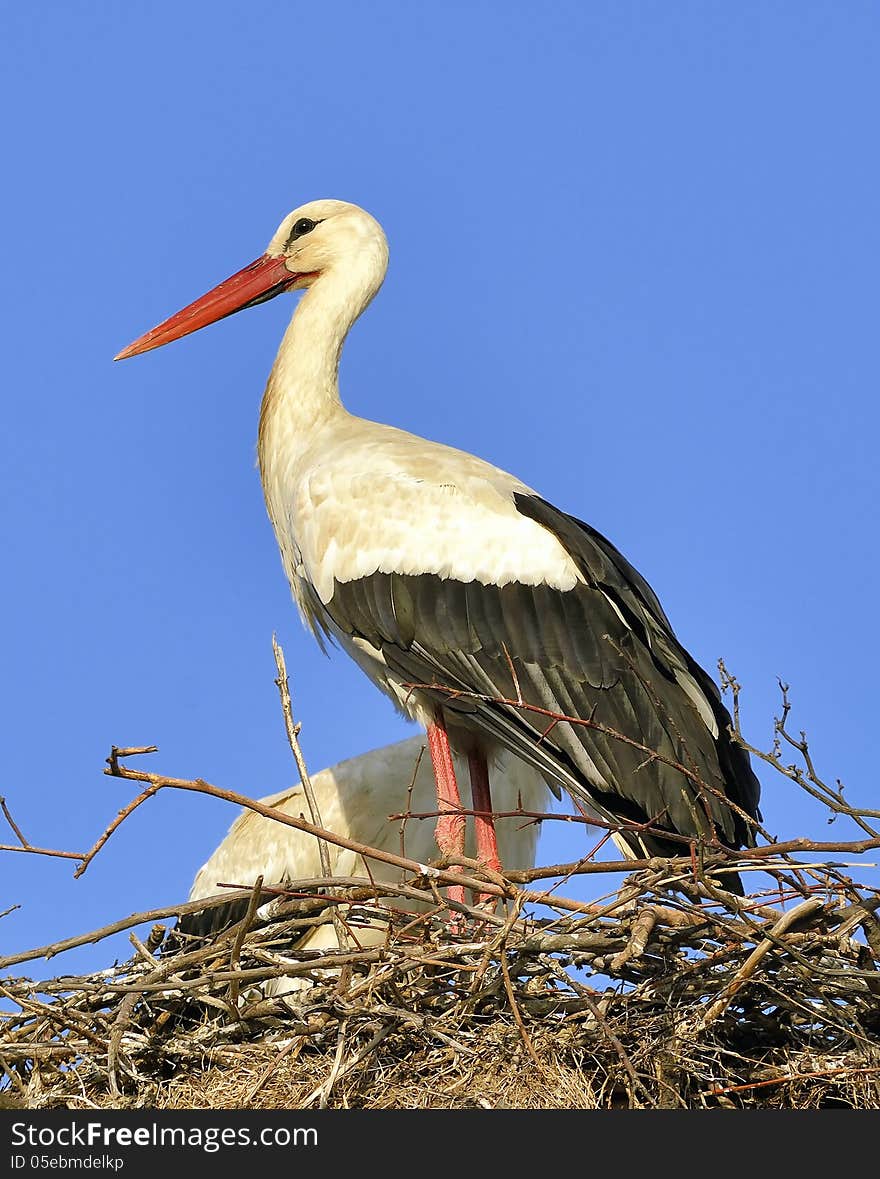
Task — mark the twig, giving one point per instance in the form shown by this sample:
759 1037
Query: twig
641 931
511 997
243 926
123 1018
293 730
199 786
23 844
597 1014
406 815
827 1072
807 779
113 768
12 823
785 922
97 935
295 1046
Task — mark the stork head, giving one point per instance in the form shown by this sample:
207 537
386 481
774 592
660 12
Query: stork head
319 238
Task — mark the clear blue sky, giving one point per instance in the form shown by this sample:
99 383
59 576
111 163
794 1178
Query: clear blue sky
634 253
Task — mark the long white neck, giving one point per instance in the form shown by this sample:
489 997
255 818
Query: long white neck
302 390
302 393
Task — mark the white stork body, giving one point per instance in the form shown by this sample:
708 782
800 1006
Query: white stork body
447 514
431 567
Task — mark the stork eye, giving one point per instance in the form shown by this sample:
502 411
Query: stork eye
301 227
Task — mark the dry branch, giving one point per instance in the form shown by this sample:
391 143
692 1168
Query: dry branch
293 730
670 993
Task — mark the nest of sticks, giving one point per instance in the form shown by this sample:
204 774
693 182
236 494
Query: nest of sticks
705 1000
670 992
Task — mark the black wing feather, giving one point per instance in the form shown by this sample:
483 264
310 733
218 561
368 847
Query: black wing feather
603 651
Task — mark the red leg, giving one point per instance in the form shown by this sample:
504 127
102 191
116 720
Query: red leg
450 825
487 841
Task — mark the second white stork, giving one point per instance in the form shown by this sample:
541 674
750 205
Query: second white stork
482 610
357 799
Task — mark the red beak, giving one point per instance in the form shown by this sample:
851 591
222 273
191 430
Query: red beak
261 280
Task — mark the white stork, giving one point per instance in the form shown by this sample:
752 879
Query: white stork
356 798
431 567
